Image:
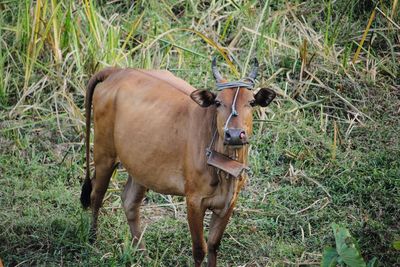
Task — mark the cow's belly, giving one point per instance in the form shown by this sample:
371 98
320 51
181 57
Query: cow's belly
159 178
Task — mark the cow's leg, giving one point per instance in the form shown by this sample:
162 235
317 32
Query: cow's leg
195 218
217 228
104 168
132 199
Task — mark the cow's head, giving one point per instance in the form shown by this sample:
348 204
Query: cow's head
234 105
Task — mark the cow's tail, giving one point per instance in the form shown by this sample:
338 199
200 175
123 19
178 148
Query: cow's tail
97 78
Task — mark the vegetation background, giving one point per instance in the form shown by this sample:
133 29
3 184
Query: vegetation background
327 150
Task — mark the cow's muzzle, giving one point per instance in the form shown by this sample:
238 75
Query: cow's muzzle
235 137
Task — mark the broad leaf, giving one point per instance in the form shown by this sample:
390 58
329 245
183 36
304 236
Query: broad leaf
329 257
373 262
347 247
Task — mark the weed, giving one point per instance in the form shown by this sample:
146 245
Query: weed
326 151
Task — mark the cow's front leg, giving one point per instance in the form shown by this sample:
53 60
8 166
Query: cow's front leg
217 228
196 213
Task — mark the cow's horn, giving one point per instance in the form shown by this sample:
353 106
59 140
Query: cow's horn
215 71
254 70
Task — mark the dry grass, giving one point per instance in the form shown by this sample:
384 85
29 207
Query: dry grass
326 151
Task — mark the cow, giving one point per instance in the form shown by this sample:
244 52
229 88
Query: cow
172 139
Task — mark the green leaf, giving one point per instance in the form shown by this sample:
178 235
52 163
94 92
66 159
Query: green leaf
329 257
347 247
396 244
373 262
352 257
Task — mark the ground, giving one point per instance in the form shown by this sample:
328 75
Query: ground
327 150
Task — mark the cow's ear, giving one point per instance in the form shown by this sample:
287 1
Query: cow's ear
203 97
263 97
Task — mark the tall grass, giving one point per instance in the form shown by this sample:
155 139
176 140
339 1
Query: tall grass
325 151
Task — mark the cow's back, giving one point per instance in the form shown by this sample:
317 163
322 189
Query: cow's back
171 79
143 117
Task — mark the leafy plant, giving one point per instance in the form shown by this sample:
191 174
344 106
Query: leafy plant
314 150
396 245
347 251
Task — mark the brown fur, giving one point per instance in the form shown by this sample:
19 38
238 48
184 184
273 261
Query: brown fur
146 120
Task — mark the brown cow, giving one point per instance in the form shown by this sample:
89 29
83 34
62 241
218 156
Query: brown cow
174 140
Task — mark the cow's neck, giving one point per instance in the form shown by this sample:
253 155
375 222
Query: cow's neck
227 186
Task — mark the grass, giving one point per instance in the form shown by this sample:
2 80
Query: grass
327 150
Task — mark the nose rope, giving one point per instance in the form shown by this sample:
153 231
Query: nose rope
247 82
234 113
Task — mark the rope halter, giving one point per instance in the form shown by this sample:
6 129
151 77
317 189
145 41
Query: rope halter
247 83
244 83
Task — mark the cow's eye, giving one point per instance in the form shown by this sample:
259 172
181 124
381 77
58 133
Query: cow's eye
252 102
217 103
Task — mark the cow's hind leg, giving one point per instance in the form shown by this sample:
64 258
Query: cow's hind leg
104 168
132 198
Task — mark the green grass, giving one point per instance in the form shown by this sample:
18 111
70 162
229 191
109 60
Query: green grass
327 150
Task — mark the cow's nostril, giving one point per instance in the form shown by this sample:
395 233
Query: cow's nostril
227 135
242 135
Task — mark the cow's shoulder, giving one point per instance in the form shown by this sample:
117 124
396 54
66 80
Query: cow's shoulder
171 79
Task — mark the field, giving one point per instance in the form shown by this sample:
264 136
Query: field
327 150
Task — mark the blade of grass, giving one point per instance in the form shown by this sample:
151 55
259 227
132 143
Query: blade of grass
389 19
134 27
249 55
394 6
32 44
56 33
91 18
334 143
327 25
364 36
